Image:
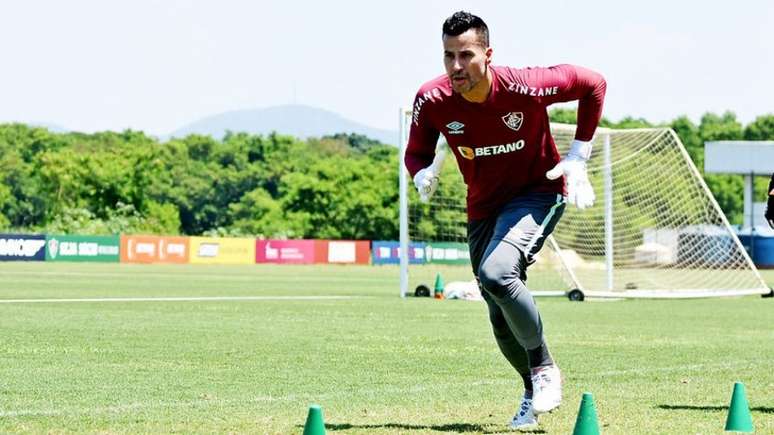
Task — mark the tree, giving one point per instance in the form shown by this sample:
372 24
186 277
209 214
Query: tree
689 135
760 129
347 199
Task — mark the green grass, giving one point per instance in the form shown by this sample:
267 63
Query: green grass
375 363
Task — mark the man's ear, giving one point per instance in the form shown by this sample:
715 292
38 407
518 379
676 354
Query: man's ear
488 54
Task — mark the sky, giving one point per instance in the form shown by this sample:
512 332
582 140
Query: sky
158 65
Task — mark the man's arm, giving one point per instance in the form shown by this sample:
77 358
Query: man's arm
770 203
575 83
420 150
569 83
422 139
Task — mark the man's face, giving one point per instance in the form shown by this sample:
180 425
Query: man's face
465 59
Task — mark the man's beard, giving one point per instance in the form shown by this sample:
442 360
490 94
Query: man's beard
470 84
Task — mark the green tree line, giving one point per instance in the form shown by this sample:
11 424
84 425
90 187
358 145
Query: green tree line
343 186
337 187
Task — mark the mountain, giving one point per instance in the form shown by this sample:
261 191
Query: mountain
295 120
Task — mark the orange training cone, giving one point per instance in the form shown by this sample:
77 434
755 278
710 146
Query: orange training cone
438 294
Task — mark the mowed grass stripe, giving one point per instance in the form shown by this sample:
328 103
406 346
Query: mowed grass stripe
183 299
51 276
436 387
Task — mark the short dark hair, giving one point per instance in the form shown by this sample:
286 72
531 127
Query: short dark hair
460 22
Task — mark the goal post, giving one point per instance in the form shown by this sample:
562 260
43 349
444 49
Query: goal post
655 230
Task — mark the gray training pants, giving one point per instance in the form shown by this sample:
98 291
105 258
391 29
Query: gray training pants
501 248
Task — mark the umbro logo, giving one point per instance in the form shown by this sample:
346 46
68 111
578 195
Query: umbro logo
455 127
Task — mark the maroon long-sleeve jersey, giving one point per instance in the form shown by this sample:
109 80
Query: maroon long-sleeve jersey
503 146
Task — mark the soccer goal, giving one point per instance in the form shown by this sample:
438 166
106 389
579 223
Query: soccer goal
655 230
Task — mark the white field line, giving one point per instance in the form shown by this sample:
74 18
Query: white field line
43 275
346 394
183 299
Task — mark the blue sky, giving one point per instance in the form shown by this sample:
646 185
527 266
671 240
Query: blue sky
158 65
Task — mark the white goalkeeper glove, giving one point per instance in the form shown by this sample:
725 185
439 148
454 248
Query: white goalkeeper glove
426 181
573 167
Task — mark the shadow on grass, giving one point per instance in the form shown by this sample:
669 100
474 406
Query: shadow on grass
452 427
761 409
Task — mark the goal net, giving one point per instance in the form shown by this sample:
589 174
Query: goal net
654 231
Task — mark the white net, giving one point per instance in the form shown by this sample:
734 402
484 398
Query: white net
654 231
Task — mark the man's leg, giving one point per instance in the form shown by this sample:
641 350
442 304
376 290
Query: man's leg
480 233
509 346
519 234
501 276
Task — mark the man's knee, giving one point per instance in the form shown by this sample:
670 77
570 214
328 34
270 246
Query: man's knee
497 276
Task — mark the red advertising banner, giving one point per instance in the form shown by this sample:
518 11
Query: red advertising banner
313 251
345 252
285 251
154 249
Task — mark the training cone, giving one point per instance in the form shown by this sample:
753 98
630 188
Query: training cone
438 293
314 421
586 423
739 418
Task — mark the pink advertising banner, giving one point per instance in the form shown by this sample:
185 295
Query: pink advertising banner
285 251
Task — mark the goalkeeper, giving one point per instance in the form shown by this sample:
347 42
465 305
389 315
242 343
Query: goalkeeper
770 204
495 121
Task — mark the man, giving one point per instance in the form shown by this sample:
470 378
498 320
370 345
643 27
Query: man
496 124
770 204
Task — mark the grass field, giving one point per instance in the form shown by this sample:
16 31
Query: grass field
375 363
